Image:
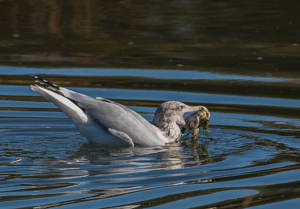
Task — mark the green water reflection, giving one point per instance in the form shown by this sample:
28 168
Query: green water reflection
240 37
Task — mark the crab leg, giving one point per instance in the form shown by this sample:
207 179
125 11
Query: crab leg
195 129
195 133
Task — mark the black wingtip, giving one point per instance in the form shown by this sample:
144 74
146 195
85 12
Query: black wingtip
45 82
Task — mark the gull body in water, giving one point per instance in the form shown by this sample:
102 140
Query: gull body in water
105 122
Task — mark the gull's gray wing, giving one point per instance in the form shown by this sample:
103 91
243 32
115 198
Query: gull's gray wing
121 135
118 118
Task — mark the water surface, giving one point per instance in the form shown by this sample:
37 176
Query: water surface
240 59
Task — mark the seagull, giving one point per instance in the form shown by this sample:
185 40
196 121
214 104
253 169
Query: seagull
109 123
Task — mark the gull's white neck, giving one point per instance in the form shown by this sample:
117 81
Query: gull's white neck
167 131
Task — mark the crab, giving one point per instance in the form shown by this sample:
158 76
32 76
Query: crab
195 121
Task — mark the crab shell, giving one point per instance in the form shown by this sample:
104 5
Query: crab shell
199 119
203 116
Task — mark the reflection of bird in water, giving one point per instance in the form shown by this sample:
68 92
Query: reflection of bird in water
109 123
141 158
200 152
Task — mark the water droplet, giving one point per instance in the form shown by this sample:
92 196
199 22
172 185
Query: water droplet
131 43
295 44
16 35
259 58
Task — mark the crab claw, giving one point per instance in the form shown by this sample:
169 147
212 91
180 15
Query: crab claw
206 132
205 129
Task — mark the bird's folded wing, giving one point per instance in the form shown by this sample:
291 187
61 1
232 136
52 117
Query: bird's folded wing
114 116
122 136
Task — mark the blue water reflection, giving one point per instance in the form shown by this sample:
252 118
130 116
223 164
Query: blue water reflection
157 73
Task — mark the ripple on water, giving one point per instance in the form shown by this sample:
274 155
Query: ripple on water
62 170
252 155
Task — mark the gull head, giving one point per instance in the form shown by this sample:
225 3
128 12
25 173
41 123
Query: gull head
172 112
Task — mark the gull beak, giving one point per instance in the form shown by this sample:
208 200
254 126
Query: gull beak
194 108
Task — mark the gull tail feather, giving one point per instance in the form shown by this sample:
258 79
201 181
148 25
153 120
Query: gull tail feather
75 113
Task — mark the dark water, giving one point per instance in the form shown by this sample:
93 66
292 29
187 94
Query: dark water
238 58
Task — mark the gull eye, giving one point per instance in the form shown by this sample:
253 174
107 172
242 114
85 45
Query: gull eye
180 108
